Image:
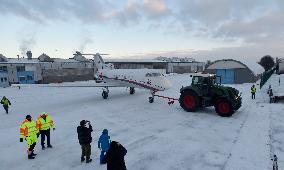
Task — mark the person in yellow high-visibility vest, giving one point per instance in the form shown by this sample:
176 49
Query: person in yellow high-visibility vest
5 102
253 91
44 123
30 133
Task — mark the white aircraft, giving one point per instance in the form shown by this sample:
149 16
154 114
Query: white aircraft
106 76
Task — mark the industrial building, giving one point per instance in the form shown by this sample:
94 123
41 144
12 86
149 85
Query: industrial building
170 65
3 77
280 66
44 69
235 72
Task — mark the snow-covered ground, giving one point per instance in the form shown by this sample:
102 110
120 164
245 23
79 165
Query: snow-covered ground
157 136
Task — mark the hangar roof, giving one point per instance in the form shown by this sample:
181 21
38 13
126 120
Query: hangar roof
234 64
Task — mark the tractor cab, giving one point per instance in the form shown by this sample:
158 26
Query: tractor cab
205 79
204 82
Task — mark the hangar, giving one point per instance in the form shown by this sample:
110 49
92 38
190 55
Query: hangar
235 72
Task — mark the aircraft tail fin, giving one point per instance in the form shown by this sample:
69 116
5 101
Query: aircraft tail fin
100 64
98 61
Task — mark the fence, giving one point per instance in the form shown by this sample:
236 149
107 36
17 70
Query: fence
265 76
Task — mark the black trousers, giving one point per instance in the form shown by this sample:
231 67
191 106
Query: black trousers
253 95
6 108
44 133
32 147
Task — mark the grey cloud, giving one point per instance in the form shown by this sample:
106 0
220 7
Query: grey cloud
249 21
212 13
156 9
87 11
270 25
134 11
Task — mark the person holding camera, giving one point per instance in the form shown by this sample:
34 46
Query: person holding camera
85 139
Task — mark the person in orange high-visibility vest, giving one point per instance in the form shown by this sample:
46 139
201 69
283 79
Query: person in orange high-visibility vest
30 133
44 123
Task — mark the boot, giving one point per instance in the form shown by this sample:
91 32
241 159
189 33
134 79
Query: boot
33 154
88 160
43 147
49 146
82 159
31 157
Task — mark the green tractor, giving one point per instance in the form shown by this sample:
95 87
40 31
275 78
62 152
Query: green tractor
205 91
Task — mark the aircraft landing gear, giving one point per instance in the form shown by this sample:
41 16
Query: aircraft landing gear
132 90
105 93
151 99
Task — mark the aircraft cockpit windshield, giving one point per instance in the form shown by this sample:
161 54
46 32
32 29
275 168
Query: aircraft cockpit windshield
153 74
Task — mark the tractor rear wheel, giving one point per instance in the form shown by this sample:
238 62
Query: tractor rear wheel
189 101
224 108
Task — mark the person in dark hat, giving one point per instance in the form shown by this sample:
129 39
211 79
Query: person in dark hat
85 139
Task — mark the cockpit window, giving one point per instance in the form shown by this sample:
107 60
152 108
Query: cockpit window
153 74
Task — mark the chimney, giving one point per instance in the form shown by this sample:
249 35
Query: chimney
30 55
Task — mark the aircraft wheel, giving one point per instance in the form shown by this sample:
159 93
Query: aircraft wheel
151 99
105 94
132 90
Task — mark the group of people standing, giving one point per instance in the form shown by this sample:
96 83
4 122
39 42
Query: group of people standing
31 130
112 152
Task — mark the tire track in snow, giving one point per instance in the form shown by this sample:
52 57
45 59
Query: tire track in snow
254 136
243 110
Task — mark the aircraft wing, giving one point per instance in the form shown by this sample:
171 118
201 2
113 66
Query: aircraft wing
67 85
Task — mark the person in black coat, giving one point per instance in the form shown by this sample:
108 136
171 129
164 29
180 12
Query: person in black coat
115 157
85 139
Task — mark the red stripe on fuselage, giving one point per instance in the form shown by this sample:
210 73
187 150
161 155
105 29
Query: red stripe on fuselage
135 83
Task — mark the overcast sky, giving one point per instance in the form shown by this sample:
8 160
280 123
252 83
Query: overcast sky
203 29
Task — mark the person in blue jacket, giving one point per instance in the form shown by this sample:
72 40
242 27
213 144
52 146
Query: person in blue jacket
103 144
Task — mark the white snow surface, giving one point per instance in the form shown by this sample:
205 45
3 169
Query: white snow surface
156 136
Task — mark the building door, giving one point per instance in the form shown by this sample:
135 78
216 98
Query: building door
227 75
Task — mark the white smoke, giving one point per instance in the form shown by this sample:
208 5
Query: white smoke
84 43
26 44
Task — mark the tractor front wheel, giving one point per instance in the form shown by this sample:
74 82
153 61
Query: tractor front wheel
224 108
189 101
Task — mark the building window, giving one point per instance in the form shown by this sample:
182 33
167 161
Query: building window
20 68
5 79
1 79
22 78
29 78
3 68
